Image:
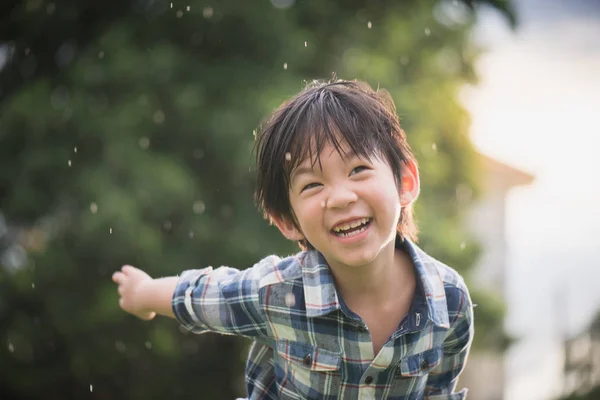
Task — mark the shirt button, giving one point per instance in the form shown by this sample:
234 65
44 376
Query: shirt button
424 365
307 361
368 380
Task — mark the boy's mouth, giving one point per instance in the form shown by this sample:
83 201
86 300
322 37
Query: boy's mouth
351 228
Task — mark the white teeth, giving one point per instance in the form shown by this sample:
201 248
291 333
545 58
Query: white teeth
351 225
352 233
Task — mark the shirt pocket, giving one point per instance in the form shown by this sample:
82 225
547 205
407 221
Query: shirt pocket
412 373
311 370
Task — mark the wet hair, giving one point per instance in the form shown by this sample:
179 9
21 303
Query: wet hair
333 112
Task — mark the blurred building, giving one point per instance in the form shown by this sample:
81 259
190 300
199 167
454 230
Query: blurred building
484 373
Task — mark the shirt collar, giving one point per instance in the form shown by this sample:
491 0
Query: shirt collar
321 295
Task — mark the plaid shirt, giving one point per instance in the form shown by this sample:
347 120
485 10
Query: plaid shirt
308 344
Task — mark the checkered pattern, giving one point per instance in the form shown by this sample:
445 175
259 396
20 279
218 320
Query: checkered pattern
308 344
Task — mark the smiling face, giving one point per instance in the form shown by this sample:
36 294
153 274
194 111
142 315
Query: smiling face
347 207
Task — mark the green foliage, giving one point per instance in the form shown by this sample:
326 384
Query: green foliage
138 151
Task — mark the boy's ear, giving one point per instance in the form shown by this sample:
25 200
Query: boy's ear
288 229
410 184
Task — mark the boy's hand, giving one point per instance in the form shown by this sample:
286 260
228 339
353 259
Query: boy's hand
131 283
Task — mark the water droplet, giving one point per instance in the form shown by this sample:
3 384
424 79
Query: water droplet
110 231
148 345
191 234
69 162
100 54
198 207
254 134
144 142
120 346
290 299
284 65
434 147
171 5
179 14
74 149
462 245
305 44
11 348
207 12
282 3
158 116
369 25
288 156
32 285
427 31
91 388
187 8
93 208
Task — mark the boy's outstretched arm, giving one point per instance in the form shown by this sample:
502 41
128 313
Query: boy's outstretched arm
143 296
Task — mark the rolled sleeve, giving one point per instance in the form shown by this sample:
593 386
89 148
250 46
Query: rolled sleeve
442 380
223 300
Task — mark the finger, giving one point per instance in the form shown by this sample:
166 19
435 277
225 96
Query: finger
122 303
117 277
120 290
127 269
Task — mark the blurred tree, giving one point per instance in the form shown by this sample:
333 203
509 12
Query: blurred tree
125 137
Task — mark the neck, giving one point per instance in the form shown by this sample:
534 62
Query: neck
377 282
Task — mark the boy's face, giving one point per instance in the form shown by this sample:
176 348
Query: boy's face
347 208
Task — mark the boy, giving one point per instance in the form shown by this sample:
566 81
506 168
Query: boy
361 312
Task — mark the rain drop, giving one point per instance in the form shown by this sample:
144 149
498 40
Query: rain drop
187 8
144 142
462 245
198 207
305 44
179 14
159 116
434 147
91 388
148 345
288 156
369 25
69 162
93 208
191 234
74 149
32 285
290 299
207 12
110 231
171 5
427 32
254 134
284 65
11 347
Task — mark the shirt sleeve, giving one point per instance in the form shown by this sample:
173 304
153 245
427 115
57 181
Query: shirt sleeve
223 300
443 378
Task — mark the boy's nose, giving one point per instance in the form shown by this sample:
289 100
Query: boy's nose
341 198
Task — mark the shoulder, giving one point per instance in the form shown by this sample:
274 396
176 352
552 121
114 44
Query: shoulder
273 269
455 289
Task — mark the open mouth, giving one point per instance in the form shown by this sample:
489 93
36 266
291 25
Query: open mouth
352 228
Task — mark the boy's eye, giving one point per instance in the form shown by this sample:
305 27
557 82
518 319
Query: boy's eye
310 186
358 169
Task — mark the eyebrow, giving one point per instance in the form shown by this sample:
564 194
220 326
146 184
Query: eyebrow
350 156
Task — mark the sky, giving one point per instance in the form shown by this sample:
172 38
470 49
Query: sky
537 108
